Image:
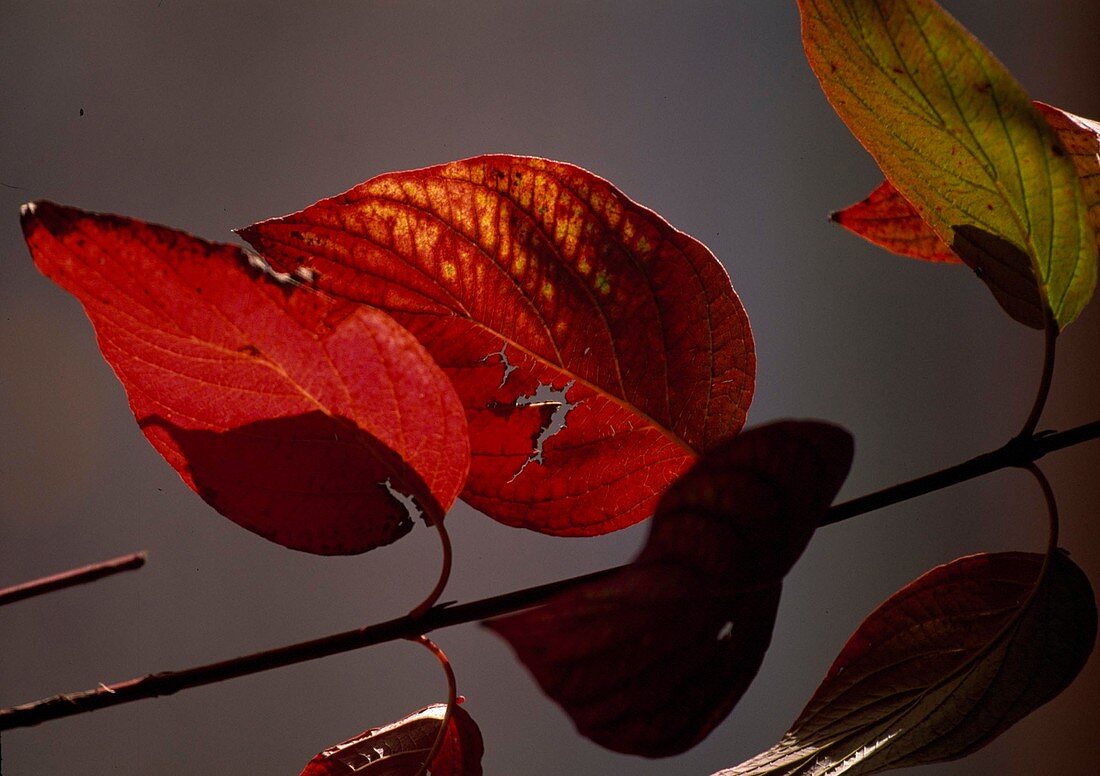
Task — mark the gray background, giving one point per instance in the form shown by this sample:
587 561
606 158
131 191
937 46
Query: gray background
207 116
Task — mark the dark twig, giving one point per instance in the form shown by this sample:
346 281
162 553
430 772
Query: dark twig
169 682
1018 452
71 578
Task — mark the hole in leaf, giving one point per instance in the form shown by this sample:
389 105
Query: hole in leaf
412 509
256 261
546 396
509 367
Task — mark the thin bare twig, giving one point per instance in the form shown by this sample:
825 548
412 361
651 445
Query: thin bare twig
1018 452
72 578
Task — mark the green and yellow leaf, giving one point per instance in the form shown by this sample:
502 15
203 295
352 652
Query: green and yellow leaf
960 139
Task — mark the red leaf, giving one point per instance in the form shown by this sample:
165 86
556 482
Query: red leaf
399 749
887 219
943 667
548 298
287 412
649 660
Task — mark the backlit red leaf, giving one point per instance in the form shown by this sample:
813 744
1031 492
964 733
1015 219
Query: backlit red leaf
649 660
595 348
399 749
888 220
942 668
296 416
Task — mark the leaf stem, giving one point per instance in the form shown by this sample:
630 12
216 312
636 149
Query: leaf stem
1052 512
452 697
1019 452
444 571
72 577
1051 340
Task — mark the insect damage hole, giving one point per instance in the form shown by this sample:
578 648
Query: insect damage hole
509 367
412 509
300 277
546 396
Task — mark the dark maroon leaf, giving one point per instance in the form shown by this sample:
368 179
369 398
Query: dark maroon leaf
942 668
650 659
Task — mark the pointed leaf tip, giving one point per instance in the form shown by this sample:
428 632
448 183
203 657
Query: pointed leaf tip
888 220
285 410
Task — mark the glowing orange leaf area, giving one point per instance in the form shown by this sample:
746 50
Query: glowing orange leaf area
596 349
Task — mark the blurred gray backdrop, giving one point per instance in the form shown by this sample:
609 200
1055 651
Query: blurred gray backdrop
207 116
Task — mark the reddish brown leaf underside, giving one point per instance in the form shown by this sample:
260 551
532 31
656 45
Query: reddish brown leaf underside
943 667
650 659
399 749
286 411
888 220
547 297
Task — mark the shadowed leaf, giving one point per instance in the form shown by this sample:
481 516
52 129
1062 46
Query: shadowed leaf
595 348
649 660
959 138
942 668
399 749
288 412
1005 269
